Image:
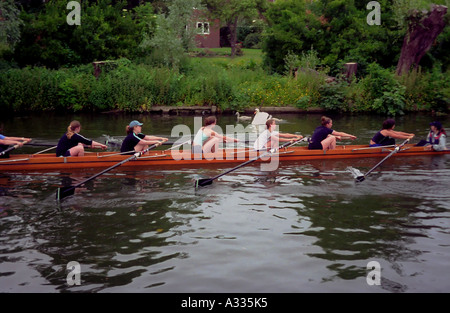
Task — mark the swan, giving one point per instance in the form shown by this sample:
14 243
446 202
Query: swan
262 117
242 118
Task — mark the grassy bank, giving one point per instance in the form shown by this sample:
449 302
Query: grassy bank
213 78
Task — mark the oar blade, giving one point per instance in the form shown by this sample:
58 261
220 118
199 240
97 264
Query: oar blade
64 192
360 178
203 182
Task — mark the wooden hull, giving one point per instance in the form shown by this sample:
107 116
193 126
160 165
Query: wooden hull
174 158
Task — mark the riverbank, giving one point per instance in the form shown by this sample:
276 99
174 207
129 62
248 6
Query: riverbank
201 84
213 110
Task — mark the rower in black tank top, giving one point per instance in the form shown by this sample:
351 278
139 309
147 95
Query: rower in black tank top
381 140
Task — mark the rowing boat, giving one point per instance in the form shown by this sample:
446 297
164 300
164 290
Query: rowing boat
170 158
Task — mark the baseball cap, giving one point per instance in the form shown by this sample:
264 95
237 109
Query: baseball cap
436 124
135 123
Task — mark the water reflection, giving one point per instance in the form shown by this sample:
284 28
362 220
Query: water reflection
305 227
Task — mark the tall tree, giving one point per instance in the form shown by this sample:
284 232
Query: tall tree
107 31
174 34
336 29
231 12
423 29
9 25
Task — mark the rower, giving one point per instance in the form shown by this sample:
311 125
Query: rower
270 138
387 135
71 143
136 141
324 137
436 138
206 139
5 142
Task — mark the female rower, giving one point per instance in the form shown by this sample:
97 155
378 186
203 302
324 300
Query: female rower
71 143
387 135
270 138
136 141
5 142
206 139
324 137
436 138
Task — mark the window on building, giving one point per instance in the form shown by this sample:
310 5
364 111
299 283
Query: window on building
203 28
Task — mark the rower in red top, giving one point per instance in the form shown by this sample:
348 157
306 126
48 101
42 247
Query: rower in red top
436 139
71 143
387 135
324 137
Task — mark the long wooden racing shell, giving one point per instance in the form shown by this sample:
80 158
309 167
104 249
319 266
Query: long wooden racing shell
168 158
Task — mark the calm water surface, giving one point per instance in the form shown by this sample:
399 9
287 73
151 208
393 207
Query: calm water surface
306 227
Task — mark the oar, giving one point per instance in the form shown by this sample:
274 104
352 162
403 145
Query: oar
208 181
48 149
361 178
369 148
40 144
179 145
9 149
63 192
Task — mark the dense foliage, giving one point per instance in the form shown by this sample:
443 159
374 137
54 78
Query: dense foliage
46 64
107 31
339 32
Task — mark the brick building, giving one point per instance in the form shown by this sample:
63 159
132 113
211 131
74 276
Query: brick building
209 32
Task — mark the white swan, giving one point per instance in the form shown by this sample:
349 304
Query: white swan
243 118
262 117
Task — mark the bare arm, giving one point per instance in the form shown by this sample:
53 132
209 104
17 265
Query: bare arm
398 135
342 134
153 138
224 138
14 141
96 144
288 137
19 138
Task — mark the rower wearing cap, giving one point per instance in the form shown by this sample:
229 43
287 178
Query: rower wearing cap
136 141
436 138
71 143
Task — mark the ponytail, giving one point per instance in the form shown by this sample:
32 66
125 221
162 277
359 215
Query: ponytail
325 120
388 124
210 120
129 129
72 127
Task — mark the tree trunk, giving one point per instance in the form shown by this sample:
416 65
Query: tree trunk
233 35
423 29
350 70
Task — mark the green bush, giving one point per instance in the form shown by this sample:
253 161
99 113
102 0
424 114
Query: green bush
134 87
383 90
332 96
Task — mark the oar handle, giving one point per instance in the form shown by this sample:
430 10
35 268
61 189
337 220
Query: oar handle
10 149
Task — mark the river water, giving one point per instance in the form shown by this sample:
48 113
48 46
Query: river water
306 227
